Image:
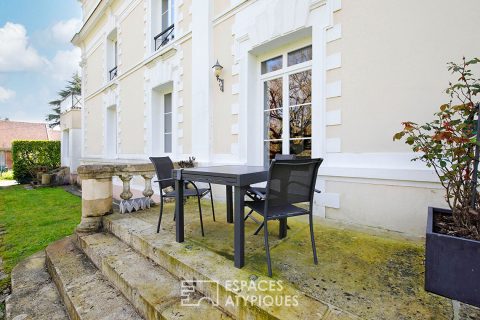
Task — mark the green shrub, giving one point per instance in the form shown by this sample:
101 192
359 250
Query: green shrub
29 157
6 175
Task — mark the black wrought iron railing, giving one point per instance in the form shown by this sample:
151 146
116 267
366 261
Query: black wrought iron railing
112 73
164 37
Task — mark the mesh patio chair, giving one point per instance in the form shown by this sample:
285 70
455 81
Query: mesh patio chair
258 193
290 182
164 167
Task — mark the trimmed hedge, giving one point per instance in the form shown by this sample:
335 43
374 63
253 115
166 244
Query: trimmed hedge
31 156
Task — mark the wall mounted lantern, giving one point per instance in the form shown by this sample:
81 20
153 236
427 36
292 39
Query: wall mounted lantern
217 71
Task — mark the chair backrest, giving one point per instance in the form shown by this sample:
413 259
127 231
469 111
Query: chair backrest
291 181
163 167
280 156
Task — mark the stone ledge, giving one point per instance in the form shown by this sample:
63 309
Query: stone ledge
105 171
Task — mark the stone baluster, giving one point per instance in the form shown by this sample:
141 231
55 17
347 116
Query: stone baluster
97 192
96 196
148 191
126 193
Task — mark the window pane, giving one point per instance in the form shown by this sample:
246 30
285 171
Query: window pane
301 121
272 65
300 87
273 94
301 147
168 123
165 22
299 56
167 147
273 124
168 102
271 149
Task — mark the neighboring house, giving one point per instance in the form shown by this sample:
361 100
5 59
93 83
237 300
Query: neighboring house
15 130
331 79
70 126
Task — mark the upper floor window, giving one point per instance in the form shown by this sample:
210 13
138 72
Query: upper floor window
112 55
162 22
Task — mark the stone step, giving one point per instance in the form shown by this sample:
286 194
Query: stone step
212 274
154 292
84 290
34 295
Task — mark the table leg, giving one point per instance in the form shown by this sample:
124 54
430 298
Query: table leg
282 228
239 228
179 221
229 204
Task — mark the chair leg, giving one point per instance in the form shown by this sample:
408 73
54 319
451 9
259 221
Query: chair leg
213 208
314 249
200 210
160 216
259 228
267 248
248 215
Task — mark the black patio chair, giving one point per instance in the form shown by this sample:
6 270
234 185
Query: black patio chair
258 193
164 167
290 182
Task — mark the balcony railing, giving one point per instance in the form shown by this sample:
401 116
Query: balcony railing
112 73
164 37
72 101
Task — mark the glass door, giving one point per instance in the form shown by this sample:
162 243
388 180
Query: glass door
287 104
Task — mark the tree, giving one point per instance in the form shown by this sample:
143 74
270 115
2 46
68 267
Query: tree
73 87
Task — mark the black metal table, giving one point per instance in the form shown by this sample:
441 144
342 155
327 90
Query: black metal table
238 177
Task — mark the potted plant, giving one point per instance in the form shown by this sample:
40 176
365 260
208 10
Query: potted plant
450 144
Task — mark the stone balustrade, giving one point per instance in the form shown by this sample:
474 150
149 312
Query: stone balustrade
97 191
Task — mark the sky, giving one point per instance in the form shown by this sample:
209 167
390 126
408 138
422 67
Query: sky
36 56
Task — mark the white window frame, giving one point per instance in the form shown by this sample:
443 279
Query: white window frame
156 28
112 54
156 132
164 131
283 73
111 132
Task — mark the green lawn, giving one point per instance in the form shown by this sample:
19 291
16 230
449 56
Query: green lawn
31 219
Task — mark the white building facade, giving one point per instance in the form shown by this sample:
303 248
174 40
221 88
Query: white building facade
320 78
71 133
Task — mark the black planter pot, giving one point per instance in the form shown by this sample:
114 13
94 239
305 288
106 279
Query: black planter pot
452 264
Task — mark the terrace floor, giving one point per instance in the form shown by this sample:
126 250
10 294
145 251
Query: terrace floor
372 276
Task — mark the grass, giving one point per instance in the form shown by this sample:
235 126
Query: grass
6 175
31 219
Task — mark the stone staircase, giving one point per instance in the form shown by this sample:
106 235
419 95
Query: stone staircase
128 271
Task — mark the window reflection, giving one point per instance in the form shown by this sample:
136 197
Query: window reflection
299 56
272 65
300 88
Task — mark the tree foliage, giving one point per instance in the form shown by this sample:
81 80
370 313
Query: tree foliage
447 144
73 87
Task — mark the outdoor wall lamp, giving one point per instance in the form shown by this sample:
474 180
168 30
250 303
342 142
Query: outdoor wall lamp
217 71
